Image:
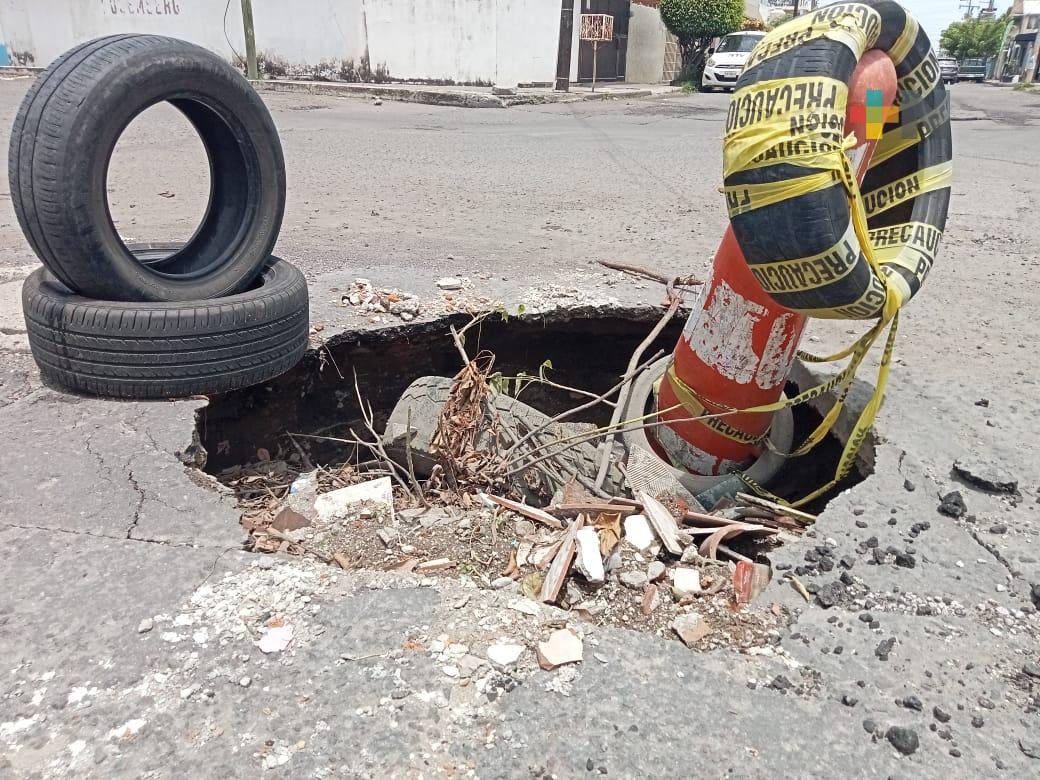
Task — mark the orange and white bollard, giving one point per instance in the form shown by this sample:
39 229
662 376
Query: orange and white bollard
738 344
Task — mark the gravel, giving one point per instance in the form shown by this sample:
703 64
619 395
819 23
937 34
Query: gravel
903 739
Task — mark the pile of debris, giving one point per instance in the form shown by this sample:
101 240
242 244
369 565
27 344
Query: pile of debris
631 563
467 481
375 302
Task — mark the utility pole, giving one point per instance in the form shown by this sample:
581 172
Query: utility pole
563 52
970 5
247 28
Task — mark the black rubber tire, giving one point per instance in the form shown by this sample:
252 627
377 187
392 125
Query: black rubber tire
62 141
166 350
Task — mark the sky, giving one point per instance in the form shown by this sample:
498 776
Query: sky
936 15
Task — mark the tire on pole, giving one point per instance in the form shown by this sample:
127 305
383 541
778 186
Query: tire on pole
815 241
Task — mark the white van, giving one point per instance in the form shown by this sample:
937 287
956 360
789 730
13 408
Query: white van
727 60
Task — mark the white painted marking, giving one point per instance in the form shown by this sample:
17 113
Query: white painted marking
779 353
720 333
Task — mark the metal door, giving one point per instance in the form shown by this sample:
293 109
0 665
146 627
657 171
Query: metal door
610 65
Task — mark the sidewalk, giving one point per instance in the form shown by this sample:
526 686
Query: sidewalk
466 97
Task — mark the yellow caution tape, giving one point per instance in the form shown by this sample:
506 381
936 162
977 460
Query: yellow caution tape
905 42
810 273
908 187
692 404
800 121
855 25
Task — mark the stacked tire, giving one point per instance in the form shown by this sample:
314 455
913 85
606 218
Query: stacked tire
123 320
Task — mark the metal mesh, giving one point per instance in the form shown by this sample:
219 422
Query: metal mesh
597 27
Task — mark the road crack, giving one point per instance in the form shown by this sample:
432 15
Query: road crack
92 534
141 498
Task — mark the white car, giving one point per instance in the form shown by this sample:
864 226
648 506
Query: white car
727 60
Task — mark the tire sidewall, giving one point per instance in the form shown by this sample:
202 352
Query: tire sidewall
171 68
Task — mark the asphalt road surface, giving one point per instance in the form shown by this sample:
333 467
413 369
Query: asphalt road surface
124 592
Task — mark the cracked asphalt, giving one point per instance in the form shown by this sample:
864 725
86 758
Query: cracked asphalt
107 533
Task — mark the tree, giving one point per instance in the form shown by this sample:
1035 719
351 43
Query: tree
973 38
695 23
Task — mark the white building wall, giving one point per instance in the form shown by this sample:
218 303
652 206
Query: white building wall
500 41
528 33
303 31
444 39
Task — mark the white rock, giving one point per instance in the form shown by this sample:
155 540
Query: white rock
526 606
128 729
562 647
449 283
505 655
588 560
451 671
686 580
145 626
276 639
691 628
338 503
638 533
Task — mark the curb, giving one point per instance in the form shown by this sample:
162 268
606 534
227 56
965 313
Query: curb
19 71
457 98
429 97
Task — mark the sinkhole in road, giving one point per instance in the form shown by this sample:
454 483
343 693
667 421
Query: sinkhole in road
587 349
244 441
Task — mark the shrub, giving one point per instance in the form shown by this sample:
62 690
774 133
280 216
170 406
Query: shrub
695 23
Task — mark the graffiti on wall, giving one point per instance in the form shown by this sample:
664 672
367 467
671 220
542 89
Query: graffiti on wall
141 7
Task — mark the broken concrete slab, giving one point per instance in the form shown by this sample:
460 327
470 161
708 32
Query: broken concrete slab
663 523
690 628
338 504
505 655
686 580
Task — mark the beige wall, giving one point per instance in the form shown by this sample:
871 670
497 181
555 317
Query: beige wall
646 42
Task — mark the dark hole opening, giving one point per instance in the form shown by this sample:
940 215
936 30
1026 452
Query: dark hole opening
589 350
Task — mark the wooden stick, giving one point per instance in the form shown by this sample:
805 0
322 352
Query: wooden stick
561 564
531 512
779 509
571 510
633 363
635 270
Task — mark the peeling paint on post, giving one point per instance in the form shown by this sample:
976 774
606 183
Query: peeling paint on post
247 27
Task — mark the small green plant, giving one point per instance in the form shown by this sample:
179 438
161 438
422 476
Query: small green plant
1023 86
268 65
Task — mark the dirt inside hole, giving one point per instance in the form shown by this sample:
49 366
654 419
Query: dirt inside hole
245 437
